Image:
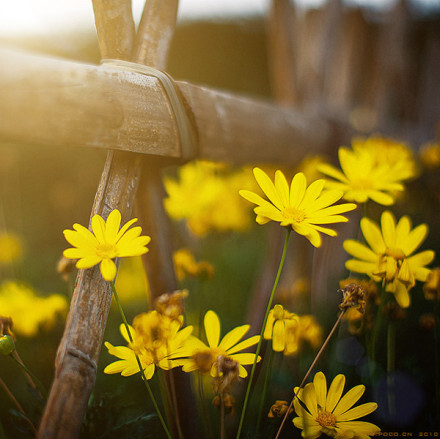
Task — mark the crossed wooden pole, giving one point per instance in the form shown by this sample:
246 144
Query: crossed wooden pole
62 103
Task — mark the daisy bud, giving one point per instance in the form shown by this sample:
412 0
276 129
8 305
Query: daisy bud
7 345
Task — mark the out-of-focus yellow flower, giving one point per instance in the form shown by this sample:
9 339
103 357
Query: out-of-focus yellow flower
278 322
186 265
390 254
374 169
105 244
431 288
29 311
11 248
397 155
205 357
300 207
132 282
325 412
157 340
307 330
199 190
430 155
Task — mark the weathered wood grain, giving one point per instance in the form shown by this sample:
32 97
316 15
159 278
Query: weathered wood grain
62 103
78 352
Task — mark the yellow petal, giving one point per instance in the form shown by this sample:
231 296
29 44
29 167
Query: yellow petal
373 235
282 188
297 189
359 427
244 344
335 392
98 227
124 228
358 412
108 269
233 337
268 187
112 226
278 336
388 224
331 171
212 328
412 240
312 193
360 266
349 399
309 398
320 384
402 296
359 250
88 261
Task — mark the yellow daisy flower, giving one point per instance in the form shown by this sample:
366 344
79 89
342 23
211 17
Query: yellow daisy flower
390 254
362 177
278 322
300 207
105 244
157 340
204 357
325 412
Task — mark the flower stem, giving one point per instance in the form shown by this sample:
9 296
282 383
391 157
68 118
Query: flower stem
269 304
318 355
144 378
33 379
263 395
391 363
222 417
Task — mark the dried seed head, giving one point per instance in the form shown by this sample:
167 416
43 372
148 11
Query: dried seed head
279 409
353 295
171 305
65 267
227 374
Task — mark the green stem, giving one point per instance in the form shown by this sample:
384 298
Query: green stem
378 321
263 395
248 389
35 380
391 364
144 378
166 398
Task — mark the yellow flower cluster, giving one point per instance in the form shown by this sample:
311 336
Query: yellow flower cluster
158 340
11 248
289 331
373 169
30 312
200 188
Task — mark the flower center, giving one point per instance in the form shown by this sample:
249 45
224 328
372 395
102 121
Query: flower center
204 360
294 214
395 253
362 184
326 419
106 251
